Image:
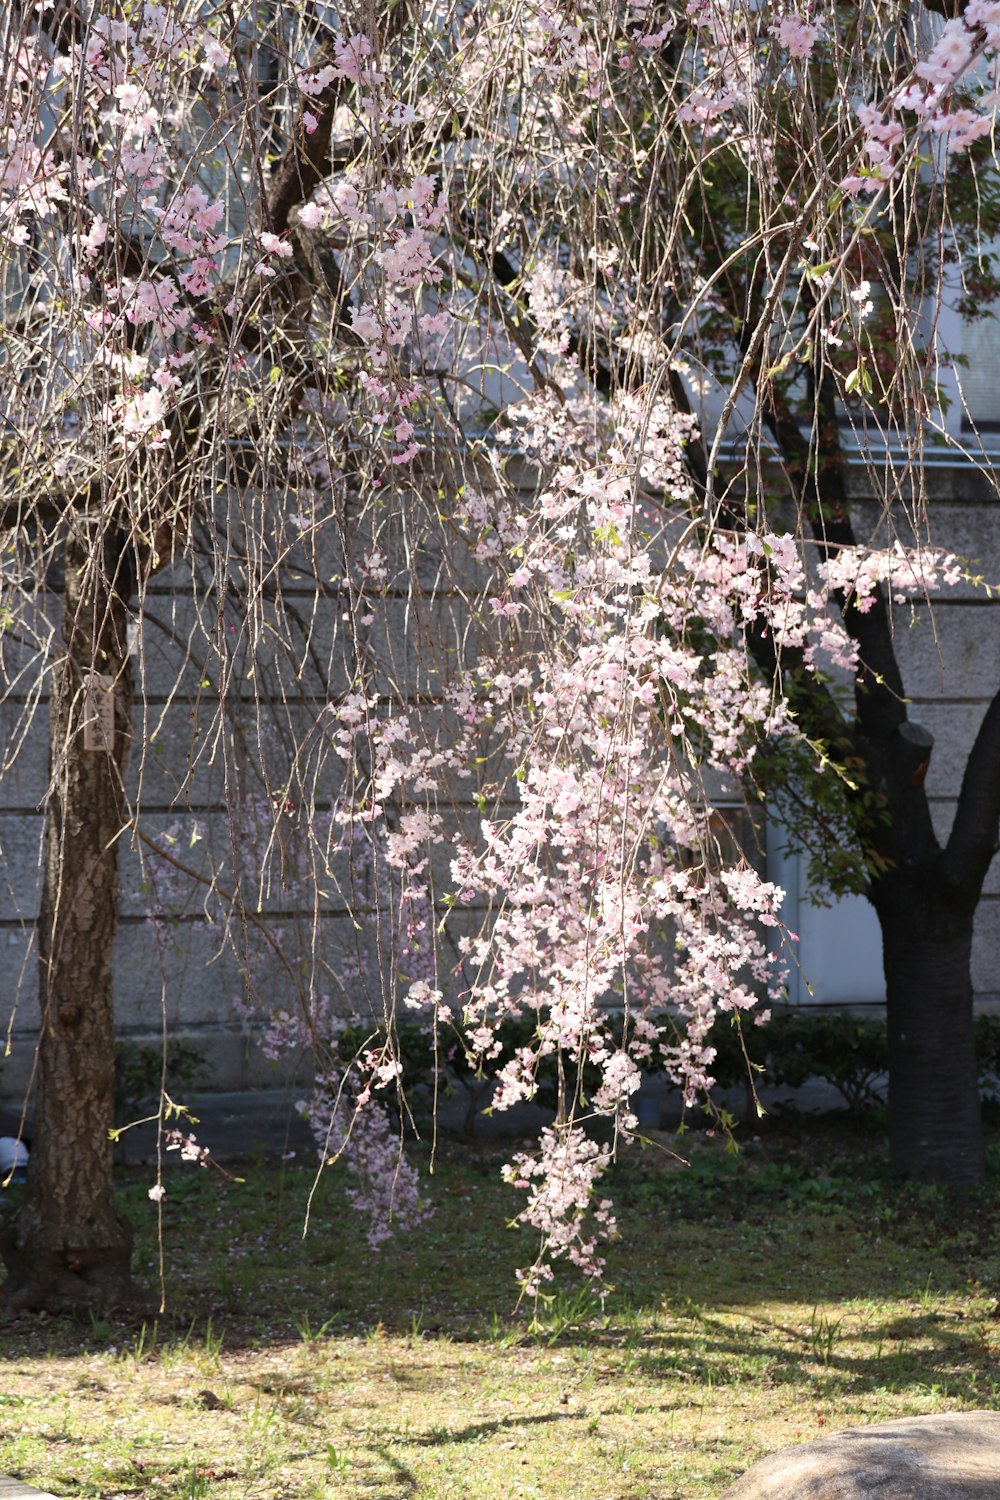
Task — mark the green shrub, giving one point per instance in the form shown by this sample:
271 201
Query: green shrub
420 1054
988 1056
849 1052
795 1045
139 1076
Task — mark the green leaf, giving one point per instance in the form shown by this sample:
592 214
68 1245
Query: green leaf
859 379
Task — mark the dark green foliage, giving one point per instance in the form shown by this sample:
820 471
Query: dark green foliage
794 1046
847 1051
817 791
988 1056
421 1054
140 1075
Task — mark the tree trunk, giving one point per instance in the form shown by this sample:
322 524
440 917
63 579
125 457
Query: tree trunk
68 1246
935 1129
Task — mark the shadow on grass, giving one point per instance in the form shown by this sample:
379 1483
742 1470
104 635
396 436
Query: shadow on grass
942 1363
480 1430
401 1472
797 1221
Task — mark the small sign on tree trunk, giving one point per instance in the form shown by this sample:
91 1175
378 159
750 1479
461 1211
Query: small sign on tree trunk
99 713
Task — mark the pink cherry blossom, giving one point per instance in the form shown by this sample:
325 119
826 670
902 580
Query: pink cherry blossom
797 36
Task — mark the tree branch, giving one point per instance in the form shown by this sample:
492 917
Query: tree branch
976 828
813 705
817 474
307 160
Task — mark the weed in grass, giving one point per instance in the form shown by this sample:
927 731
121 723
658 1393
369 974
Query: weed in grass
823 1335
177 1351
211 1347
629 1316
144 1345
926 1297
195 1485
310 1335
263 1424
563 1312
501 1333
336 1461
100 1329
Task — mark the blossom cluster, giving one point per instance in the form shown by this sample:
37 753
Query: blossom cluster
928 97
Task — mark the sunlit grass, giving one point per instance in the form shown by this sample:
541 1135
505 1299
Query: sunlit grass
757 1303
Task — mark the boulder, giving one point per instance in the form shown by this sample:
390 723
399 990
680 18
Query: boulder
951 1457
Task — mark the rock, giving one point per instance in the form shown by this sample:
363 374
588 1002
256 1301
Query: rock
950 1457
13 1160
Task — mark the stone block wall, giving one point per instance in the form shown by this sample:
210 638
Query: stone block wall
180 973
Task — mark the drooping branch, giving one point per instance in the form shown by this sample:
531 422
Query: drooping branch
816 710
63 23
816 470
20 512
895 753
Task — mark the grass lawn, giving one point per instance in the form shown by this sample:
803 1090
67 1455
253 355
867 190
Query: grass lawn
758 1302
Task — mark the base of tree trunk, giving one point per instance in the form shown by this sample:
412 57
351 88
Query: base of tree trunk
935 1129
95 1278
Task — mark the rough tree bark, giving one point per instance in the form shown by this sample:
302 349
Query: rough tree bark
68 1246
935 1130
935 1133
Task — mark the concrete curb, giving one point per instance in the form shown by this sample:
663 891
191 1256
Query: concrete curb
13 1489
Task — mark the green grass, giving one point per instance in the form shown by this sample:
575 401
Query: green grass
757 1302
